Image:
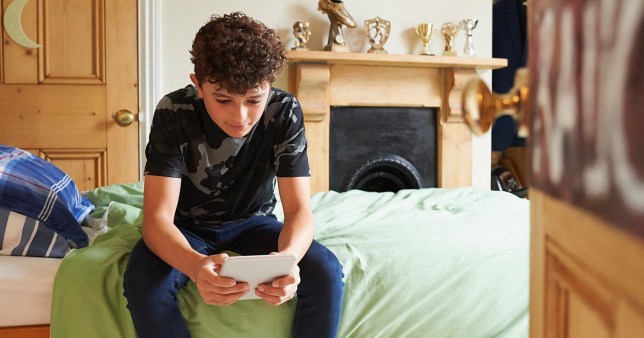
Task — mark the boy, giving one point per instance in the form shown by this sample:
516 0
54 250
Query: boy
215 152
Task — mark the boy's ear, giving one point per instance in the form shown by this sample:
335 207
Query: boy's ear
194 80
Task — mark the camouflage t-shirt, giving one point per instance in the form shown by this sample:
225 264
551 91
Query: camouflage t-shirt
224 179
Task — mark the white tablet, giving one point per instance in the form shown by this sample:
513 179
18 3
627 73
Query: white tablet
256 270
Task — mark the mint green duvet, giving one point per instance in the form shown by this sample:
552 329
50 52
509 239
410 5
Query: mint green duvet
417 263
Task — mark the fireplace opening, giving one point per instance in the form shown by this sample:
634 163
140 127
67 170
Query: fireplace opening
382 148
385 172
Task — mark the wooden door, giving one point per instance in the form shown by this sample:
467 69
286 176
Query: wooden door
587 160
58 99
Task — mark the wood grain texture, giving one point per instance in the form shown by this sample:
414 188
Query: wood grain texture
370 80
32 331
74 49
395 60
20 64
58 100
586 274
122 90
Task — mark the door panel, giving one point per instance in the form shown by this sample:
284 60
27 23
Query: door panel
36 116
580 306
74 51
85 165
58 100
20 65
587 168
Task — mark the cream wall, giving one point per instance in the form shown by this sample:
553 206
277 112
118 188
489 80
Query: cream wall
178 21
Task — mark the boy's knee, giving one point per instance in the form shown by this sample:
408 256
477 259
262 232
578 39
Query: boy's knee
322 263
134 285
144 274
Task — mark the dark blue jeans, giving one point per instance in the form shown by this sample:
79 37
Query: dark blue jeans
151 286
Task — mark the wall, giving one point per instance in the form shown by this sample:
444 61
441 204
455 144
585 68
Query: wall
180 20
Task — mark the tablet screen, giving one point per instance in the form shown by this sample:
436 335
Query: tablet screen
256 270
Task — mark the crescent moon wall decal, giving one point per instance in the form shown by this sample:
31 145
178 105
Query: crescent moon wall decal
13 24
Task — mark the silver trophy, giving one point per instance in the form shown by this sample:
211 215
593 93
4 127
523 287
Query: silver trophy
468 26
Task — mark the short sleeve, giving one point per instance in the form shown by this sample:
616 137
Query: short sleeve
291 159
163 152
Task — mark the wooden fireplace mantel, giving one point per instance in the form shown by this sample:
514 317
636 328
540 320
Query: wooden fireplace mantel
321 79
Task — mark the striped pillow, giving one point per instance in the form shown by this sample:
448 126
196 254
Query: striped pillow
25 236
31 186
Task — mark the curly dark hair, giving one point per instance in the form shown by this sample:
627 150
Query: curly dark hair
237 53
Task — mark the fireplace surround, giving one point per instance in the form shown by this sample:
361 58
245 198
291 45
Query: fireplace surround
321 80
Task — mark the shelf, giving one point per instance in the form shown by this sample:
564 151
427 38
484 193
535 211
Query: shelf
394 60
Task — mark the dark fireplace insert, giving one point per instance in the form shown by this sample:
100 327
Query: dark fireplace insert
382 148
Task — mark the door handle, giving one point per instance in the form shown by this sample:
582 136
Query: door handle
481 107
123 118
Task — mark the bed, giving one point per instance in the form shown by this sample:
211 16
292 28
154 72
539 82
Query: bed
417 263
27 287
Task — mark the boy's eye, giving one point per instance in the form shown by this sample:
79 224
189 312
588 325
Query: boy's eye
223 101
254 101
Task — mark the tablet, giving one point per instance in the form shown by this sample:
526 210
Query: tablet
256 270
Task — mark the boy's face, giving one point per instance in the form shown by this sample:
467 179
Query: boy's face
236 115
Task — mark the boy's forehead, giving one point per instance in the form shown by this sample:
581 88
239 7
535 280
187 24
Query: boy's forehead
258 90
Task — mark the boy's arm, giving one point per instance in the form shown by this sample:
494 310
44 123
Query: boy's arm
160 200
162 237
297 233
296 236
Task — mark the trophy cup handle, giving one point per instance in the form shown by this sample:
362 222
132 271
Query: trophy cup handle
481 107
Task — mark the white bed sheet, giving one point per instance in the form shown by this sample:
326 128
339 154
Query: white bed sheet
26 286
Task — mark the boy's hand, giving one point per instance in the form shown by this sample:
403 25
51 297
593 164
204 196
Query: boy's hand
280 290
214 289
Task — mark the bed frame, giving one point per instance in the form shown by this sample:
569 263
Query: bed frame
32 331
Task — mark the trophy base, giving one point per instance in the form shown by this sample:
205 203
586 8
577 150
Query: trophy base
449 53
336 48
377 51
428 54
299 48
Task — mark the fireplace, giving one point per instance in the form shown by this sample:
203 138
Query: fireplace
382 148
321 80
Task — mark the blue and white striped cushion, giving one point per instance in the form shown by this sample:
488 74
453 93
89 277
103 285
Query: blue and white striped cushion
31 186
25 236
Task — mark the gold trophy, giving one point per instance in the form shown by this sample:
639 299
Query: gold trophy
302 34
449 30
425 31
377 31
338 15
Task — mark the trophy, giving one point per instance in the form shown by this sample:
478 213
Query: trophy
377 31
338 16
468 26
425 31
302 34
449 30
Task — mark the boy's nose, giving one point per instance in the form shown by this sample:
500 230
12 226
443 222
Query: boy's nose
240 113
